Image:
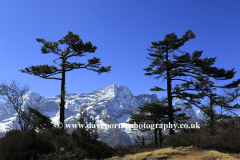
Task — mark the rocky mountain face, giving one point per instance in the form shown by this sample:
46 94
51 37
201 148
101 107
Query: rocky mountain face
110 105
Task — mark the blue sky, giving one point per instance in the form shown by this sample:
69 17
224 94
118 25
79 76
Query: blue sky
122 30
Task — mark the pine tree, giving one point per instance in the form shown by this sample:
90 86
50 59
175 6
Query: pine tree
139 119
151 114
87 134
75 48
165 66
224 102
39 121
157 115
154 113
190 69
206 87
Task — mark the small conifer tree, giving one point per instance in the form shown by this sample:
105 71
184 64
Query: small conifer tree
156 113
88 131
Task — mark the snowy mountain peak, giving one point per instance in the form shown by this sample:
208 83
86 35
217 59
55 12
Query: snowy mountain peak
189 111
200 115
124 92
32 95
146 98
113 91
108 92
178 102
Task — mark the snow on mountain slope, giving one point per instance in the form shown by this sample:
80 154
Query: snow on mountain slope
199 115
189 111
6 112
110 105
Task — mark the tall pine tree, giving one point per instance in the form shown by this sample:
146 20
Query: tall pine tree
75 48
165 67
190 69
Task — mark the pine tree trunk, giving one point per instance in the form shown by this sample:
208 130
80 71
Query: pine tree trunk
169 93
211 116
155 131
160 137
155 136
62 95
143 141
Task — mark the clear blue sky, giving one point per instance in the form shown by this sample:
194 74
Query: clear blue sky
122 30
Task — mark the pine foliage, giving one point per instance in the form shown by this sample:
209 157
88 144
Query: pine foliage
154 113
75 48
191 70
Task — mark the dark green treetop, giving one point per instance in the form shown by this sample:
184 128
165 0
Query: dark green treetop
75 48
39 121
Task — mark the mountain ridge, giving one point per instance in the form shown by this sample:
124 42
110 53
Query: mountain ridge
110 105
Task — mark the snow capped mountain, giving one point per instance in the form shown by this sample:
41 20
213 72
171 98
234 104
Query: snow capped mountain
199 115
6 112
110 105
195 115
189 111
